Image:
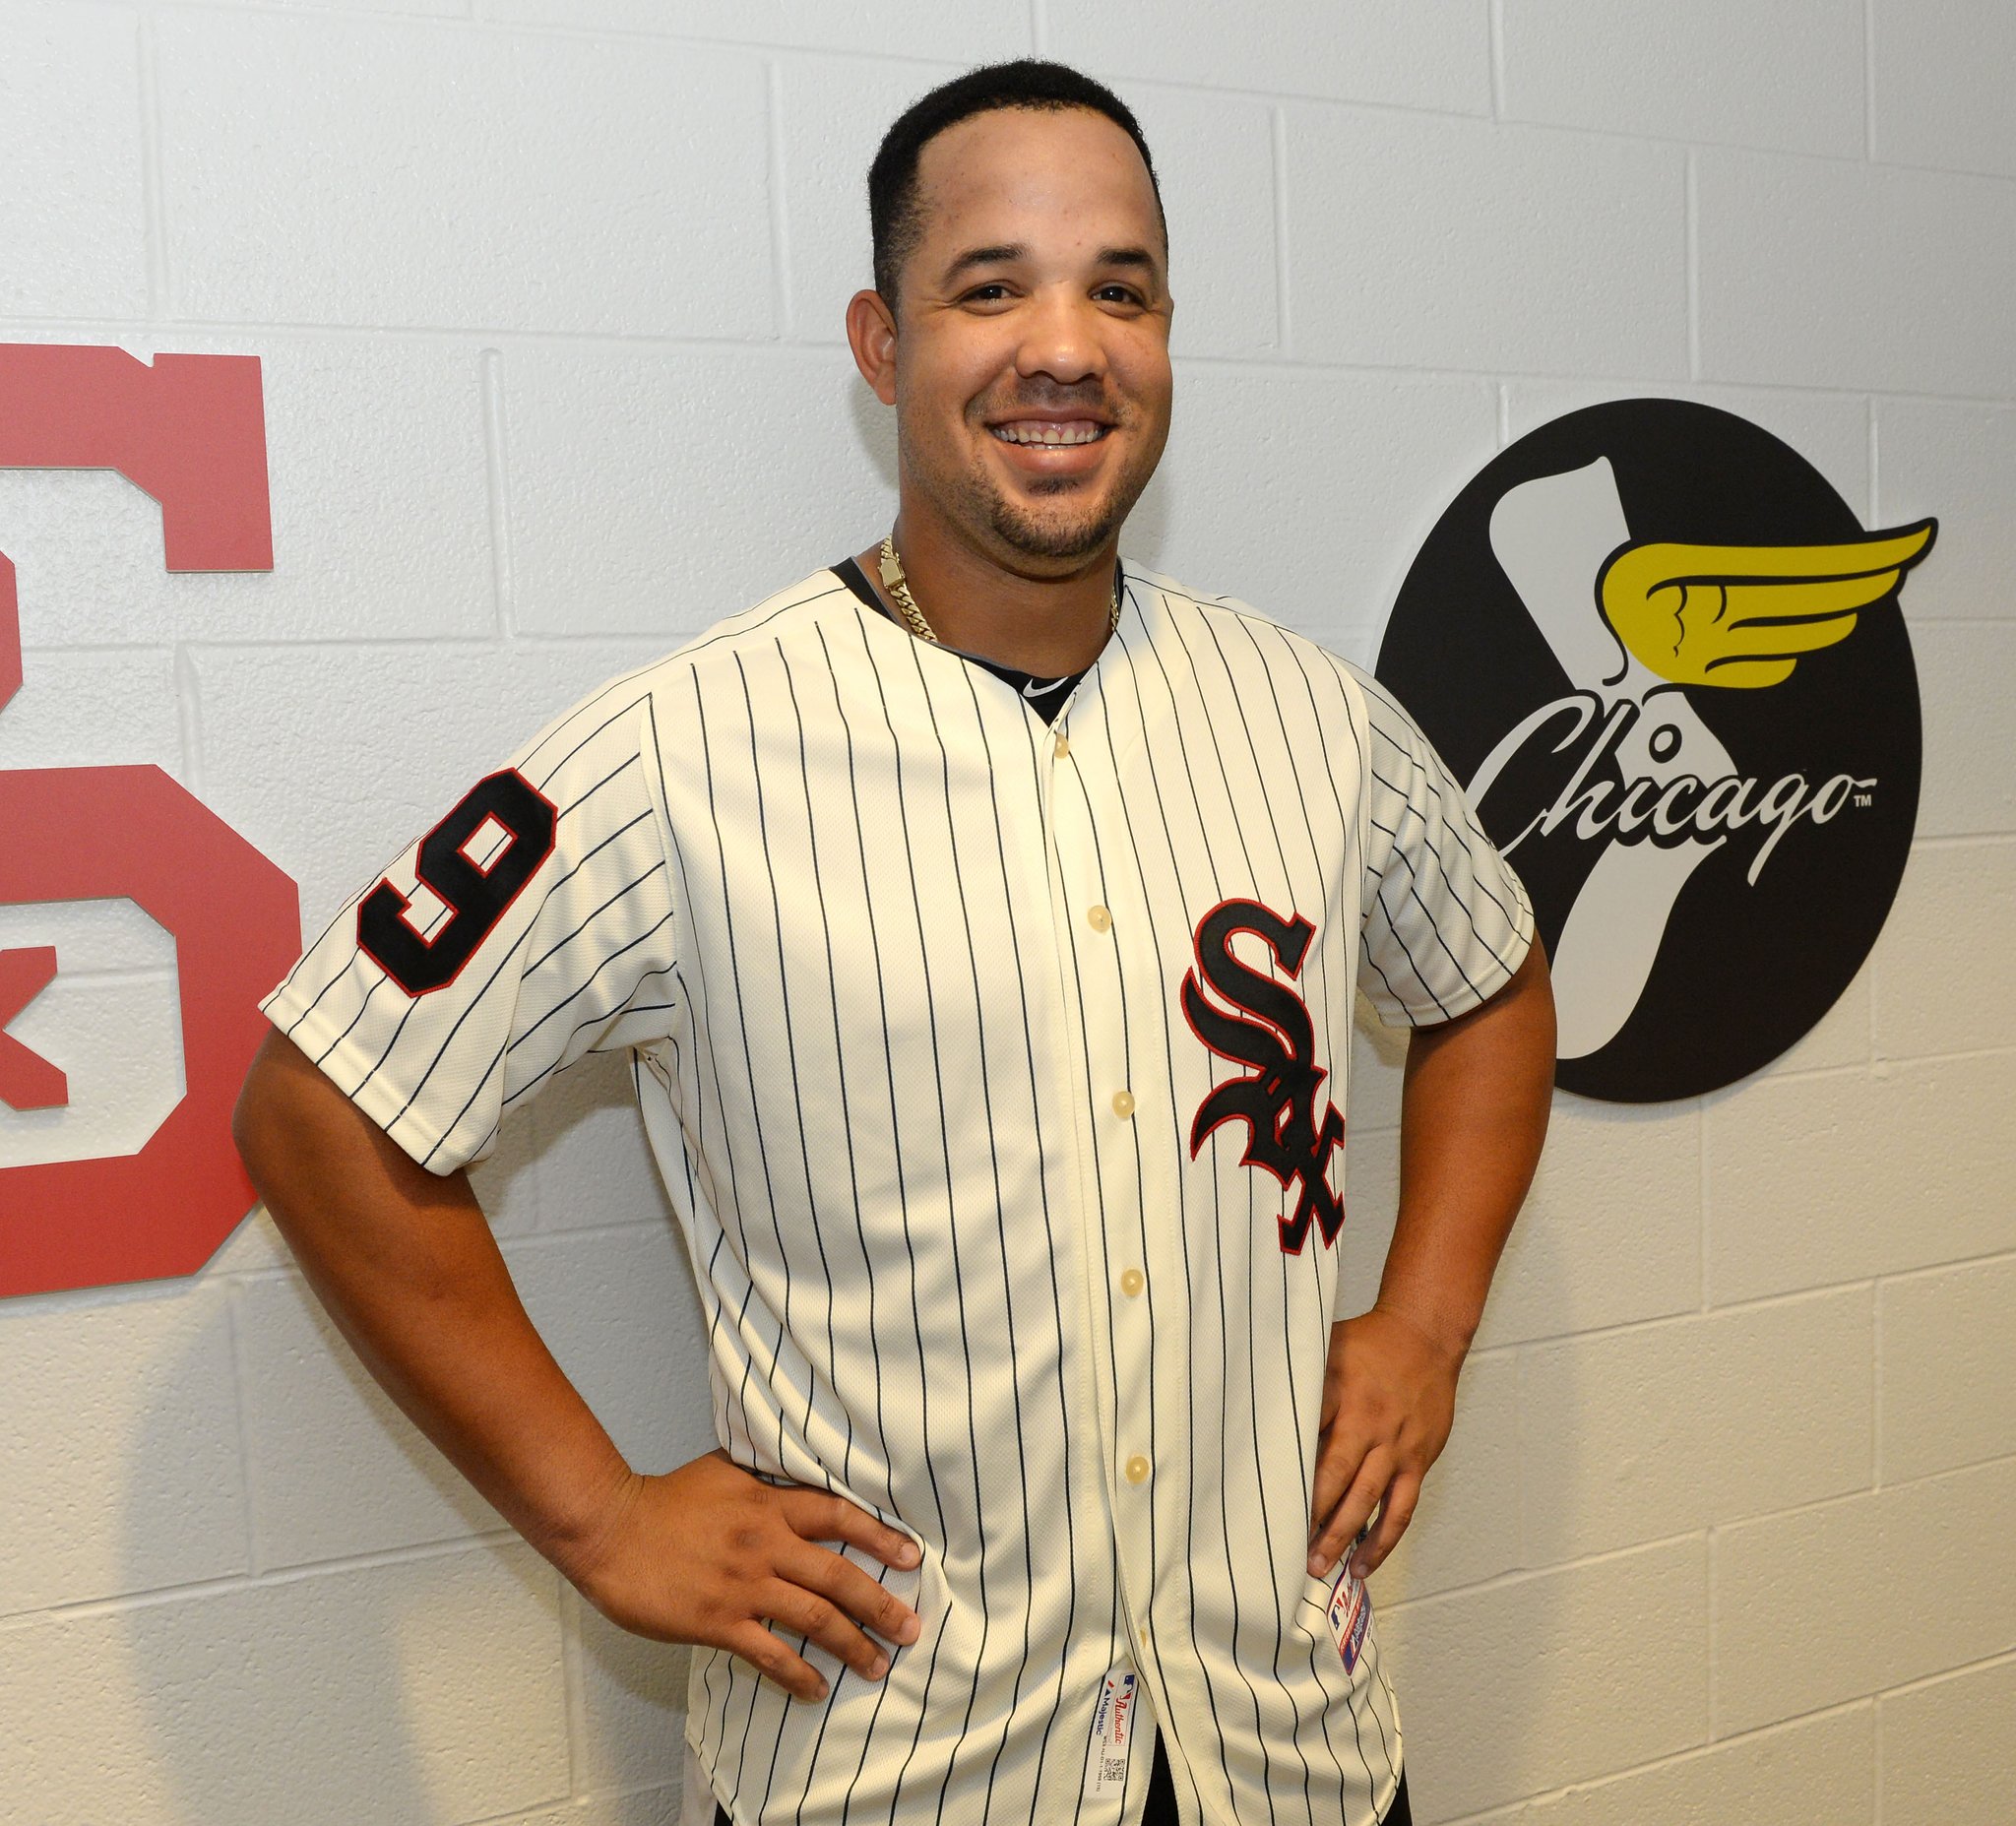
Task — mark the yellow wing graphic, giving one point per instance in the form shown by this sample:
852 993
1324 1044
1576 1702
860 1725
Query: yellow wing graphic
1741 615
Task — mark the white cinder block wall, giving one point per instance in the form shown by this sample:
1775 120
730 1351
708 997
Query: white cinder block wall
548 295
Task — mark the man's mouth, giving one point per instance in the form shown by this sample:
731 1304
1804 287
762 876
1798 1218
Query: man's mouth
1051 432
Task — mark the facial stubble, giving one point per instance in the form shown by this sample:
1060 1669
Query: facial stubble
980 502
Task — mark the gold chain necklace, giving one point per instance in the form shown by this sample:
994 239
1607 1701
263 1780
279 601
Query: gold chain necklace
894 581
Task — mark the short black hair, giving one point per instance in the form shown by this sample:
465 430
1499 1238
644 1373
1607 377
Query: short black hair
1027 83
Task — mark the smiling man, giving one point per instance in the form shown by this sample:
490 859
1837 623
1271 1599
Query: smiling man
982 915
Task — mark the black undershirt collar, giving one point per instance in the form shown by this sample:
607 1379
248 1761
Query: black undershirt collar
1044 696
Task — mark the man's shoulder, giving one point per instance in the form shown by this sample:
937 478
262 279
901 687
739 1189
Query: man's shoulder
1276 640
661 686
792 610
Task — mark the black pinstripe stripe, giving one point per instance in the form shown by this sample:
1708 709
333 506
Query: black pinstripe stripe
1427 915
1007 1283
1049 1233
706 747
1253 1328
1201 826
1351 723
1321 957
951 1197
902 1202
1371 1780
841 1076
1169 1042
1098 1230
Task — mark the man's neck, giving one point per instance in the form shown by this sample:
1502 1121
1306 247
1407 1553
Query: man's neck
1046 626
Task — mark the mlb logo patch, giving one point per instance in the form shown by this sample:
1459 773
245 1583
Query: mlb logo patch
1349 1612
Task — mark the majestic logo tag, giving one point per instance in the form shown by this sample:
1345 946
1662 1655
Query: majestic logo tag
1274 1036
1670 666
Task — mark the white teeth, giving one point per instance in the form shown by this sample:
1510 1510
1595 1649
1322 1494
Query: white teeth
1049 433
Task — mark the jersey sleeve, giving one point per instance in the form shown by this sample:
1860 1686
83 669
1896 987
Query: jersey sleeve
1446 919
533 925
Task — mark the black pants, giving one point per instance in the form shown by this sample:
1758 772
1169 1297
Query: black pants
1161 1797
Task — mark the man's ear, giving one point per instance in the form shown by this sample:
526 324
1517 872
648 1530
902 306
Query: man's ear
871 335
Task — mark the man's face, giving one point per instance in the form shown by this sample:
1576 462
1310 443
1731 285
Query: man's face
1032 361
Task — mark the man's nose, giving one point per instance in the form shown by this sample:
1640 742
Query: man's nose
1060 339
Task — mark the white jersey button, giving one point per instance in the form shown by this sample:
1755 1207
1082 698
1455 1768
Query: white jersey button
1097 919
1137 1470
1123 1102
1063 747
1132 1282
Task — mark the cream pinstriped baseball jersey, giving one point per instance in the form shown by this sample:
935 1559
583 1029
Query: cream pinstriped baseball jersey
994 1069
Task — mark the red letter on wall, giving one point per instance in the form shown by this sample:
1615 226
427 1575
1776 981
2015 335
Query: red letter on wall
190 431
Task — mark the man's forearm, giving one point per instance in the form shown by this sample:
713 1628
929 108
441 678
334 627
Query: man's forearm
1473 1115
406 1264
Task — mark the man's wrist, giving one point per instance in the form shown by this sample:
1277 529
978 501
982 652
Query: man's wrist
1445 1331
578 1543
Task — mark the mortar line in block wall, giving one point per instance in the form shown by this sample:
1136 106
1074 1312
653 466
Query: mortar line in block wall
1993 1257
155 1597
773 185
121 977
1496 27
1875 464
1877 1384
1875 1764
152 186
1881 1066
545 1811
1119 78
1869 79
1710 1536
241 1382
1526 1575
2006 1658
1284 303
1498 1812
1039 28
189 719
1966 840
1702 1186
1760 1302
1693 260
575 1684
497 479
834 354
511 1241
1713 1609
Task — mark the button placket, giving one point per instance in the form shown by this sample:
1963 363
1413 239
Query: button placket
1089 933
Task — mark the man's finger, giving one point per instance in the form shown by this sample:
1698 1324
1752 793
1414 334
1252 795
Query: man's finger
812 1614
770 1657
1337 1459
1394 1516
819 1515
1348 1518
870 1605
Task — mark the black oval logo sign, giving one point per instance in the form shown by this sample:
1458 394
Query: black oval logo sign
1670 666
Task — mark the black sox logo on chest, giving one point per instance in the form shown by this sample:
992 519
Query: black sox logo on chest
1274 1036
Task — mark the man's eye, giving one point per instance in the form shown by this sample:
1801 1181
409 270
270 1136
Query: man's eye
990 293
1119 294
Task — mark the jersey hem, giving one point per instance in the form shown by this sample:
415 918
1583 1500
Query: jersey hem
349 1070
1471 995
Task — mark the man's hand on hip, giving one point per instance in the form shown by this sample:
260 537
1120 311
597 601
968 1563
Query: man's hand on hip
1389 1400
710 1553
